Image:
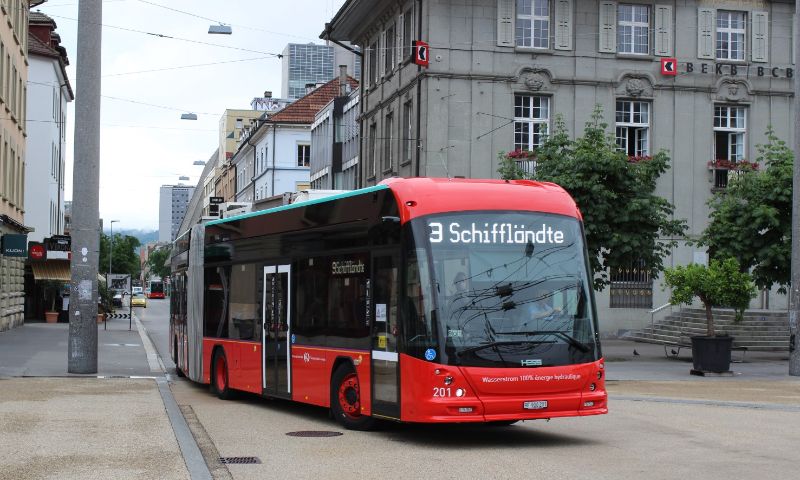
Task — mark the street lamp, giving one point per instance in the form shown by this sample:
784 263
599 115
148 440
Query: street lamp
220 29
188 116
110 252
199 162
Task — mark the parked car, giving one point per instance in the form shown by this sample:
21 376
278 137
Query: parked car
138 300
117 300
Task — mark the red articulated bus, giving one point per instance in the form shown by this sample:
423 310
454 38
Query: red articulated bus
156 289
416 300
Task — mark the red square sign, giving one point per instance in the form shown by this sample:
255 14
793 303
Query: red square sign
420 53
669 66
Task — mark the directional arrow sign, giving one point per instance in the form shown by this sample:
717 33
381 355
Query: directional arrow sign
669 66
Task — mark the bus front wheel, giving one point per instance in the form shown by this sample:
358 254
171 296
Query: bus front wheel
175 356
219 376
346 400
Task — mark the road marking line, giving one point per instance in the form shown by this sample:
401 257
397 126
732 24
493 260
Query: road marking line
153 359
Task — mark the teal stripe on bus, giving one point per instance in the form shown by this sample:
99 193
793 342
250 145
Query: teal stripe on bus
362 191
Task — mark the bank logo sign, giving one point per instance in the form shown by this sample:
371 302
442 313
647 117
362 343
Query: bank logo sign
669 66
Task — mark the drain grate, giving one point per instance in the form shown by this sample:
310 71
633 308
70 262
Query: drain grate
314 433
240 460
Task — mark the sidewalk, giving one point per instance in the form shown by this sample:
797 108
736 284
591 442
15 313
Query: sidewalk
651 364
60 425
40 350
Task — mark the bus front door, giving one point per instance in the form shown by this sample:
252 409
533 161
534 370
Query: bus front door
277 324
385 365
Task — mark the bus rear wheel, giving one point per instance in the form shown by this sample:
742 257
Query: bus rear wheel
219 376
346 400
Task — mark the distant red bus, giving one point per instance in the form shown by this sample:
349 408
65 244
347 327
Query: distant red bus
156 289
417 300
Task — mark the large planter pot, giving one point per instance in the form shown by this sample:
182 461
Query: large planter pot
712 354
51 317
101 317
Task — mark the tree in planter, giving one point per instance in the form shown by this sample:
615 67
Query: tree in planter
719 284
624 221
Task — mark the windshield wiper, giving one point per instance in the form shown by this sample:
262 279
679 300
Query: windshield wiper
500 344
570 339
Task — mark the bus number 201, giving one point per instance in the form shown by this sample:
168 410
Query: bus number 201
441 392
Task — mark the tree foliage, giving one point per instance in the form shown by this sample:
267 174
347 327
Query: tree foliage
157 261
719 284
624 221
124 257
751 219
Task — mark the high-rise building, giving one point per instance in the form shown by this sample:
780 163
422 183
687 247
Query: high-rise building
171 209
311 64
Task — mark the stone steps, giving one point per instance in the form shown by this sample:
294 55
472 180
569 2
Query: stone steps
758 330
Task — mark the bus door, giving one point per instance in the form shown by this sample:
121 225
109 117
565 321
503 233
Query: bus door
277 322
385 325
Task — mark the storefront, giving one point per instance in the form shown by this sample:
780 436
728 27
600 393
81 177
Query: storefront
47 277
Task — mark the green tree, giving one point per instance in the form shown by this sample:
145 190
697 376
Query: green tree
157 261
124 257
751 219
624 221
719 284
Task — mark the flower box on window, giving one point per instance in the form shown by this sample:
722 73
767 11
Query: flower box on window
732 165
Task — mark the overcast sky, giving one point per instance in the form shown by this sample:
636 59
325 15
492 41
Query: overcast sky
144 147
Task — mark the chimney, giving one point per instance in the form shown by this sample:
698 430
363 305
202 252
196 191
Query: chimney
343 81
310 87
267 94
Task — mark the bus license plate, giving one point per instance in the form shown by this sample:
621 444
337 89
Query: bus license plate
537 405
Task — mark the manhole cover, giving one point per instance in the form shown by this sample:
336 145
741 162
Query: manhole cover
239 460
314 433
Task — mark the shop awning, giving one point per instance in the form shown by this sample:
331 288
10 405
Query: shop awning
57 270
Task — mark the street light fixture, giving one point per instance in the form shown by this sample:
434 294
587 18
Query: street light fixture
199 162
220 29
188 116
184 178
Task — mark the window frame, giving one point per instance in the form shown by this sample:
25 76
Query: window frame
729 32
303 158
731 131
520 40
531 121
633 25
629 123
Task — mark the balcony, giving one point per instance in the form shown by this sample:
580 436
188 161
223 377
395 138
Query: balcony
722 171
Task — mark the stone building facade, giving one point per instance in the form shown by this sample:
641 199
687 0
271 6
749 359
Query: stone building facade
701 79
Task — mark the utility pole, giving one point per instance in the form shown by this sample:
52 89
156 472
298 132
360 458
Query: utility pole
794 309
82 351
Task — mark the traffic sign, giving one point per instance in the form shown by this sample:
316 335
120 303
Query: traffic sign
216 200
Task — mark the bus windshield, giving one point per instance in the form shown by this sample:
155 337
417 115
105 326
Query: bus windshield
510 289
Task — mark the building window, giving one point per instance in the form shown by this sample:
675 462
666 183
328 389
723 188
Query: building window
389 50
730 128
388 126
633 29
531 119
372 68
373 132
303 155
631 286
238 123
633 127
408 132
533 23
408 19
730 35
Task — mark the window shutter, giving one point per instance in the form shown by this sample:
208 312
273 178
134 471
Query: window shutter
505 23
760 38
608 27
563 21
706 27
663 40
